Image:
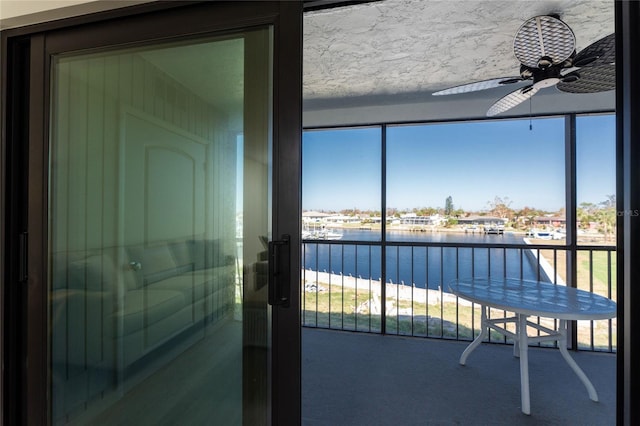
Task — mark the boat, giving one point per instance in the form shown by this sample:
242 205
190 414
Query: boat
542 235
494 229
332 235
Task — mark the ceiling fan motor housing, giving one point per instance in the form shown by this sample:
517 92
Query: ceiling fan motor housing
546 77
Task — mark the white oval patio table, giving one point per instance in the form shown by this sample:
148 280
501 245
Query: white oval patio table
532 298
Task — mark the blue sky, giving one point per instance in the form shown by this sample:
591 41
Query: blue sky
471 162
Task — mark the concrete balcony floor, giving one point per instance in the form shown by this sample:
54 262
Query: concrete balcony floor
351 379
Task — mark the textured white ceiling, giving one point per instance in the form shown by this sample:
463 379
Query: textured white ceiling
380 61
406 49
396 46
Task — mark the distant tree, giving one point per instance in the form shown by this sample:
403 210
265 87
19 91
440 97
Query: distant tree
606 219
426 211
603 215
609 202
606 216
448 206
350 212
500 206
526 216
459 213
585 214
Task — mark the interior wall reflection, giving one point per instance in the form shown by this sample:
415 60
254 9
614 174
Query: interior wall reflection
142 238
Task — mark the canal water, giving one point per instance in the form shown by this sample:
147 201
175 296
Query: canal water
424 267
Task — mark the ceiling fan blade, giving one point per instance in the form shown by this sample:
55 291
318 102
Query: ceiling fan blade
478 85
590 80
602 52
511 100
543 37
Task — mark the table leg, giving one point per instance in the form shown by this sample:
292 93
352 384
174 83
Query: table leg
524 363
477 340
562 344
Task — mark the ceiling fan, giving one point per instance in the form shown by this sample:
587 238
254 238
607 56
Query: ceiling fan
545 47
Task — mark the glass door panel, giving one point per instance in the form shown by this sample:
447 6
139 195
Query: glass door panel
159 209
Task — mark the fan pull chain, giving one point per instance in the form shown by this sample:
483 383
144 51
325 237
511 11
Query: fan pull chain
530 123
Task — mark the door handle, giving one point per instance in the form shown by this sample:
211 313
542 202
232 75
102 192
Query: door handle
279 271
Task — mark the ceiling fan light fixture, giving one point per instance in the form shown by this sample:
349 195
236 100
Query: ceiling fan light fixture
545 62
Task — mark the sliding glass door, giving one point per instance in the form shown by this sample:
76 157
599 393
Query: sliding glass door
164 217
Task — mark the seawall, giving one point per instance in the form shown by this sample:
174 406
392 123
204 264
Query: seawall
399 291
547 271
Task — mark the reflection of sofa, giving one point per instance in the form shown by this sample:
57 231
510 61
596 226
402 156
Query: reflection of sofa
173 285
112 307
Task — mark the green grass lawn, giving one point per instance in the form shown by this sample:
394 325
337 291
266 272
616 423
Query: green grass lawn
603 267
345 309
598 280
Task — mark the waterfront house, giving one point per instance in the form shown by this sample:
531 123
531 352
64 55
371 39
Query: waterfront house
413 219
343 219
482 220
127 151
314 217
550 221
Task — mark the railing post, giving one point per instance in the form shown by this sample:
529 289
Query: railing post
570 216
383 230
441 270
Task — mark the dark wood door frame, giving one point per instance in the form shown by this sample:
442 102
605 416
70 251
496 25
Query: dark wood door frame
13 203
17 46
628 224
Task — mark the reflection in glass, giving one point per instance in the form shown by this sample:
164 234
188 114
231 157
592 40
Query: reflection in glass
146 274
